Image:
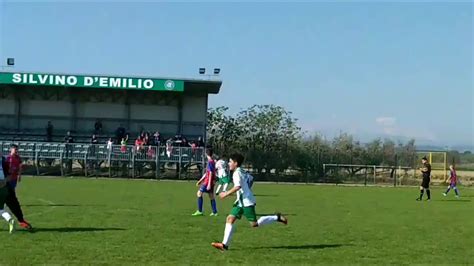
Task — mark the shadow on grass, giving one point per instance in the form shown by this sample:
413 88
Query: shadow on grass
74 229
268 214
304 247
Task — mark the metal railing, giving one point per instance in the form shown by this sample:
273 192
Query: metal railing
93 157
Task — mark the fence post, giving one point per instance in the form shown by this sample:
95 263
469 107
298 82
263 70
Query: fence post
366 172
157 161
61 155
179 162
395 173
37 161
85 160
109 157
375 170
133 163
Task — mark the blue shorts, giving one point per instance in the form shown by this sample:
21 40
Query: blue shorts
203 189
13 183
452 185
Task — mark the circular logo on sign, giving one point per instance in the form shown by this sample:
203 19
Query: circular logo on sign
169 85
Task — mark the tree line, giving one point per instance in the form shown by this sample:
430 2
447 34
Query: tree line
272 143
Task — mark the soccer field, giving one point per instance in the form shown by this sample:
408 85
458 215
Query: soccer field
145 222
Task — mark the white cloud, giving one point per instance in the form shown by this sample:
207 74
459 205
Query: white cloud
386 121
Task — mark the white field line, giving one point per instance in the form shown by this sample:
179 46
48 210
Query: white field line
51 208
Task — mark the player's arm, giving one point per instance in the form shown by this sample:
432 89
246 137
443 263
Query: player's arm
200 180
19 171
224 195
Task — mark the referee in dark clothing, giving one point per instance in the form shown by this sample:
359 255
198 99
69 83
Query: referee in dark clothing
425 184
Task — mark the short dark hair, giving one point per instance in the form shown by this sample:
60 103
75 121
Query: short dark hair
237 157
209 152
14 146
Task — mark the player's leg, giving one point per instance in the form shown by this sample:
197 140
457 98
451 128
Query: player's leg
213 203
235 213
199 203
447 191
218 188
250 214
456 190
428 192
12 202
15 207
6 215
422 191
225 187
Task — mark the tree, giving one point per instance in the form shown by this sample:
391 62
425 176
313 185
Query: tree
268 132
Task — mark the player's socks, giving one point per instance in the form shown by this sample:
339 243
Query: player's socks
200 202
264 220
11 225
447 190
421 194
428 193
228 231
7 216
456 191
218 188
213 205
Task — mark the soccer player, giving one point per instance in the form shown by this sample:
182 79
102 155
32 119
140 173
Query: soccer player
222 174
244 205
425 184
206 185
453 181
13 169
4 194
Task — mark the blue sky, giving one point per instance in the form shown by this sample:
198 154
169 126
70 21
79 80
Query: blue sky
402 70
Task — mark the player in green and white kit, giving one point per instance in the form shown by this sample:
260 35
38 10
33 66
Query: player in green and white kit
222 175
244 205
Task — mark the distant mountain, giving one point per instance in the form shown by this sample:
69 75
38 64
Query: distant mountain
459 148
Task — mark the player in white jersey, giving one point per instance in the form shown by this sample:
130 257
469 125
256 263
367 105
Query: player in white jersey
245 203
4 194
223 177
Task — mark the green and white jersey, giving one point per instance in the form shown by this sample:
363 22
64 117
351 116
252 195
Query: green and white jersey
245 197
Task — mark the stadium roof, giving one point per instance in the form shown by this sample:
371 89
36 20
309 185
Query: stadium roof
97 81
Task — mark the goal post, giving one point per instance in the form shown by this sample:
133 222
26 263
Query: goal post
438 161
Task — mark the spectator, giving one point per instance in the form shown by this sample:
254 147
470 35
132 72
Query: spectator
109 149
68 139
169 147
123 144
150 152
109 144
200 142
94 139
49 132
184 142
146 139
157 138
139 144
120 133
98 127
93 149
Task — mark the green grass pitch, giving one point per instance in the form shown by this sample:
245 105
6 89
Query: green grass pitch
83 221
